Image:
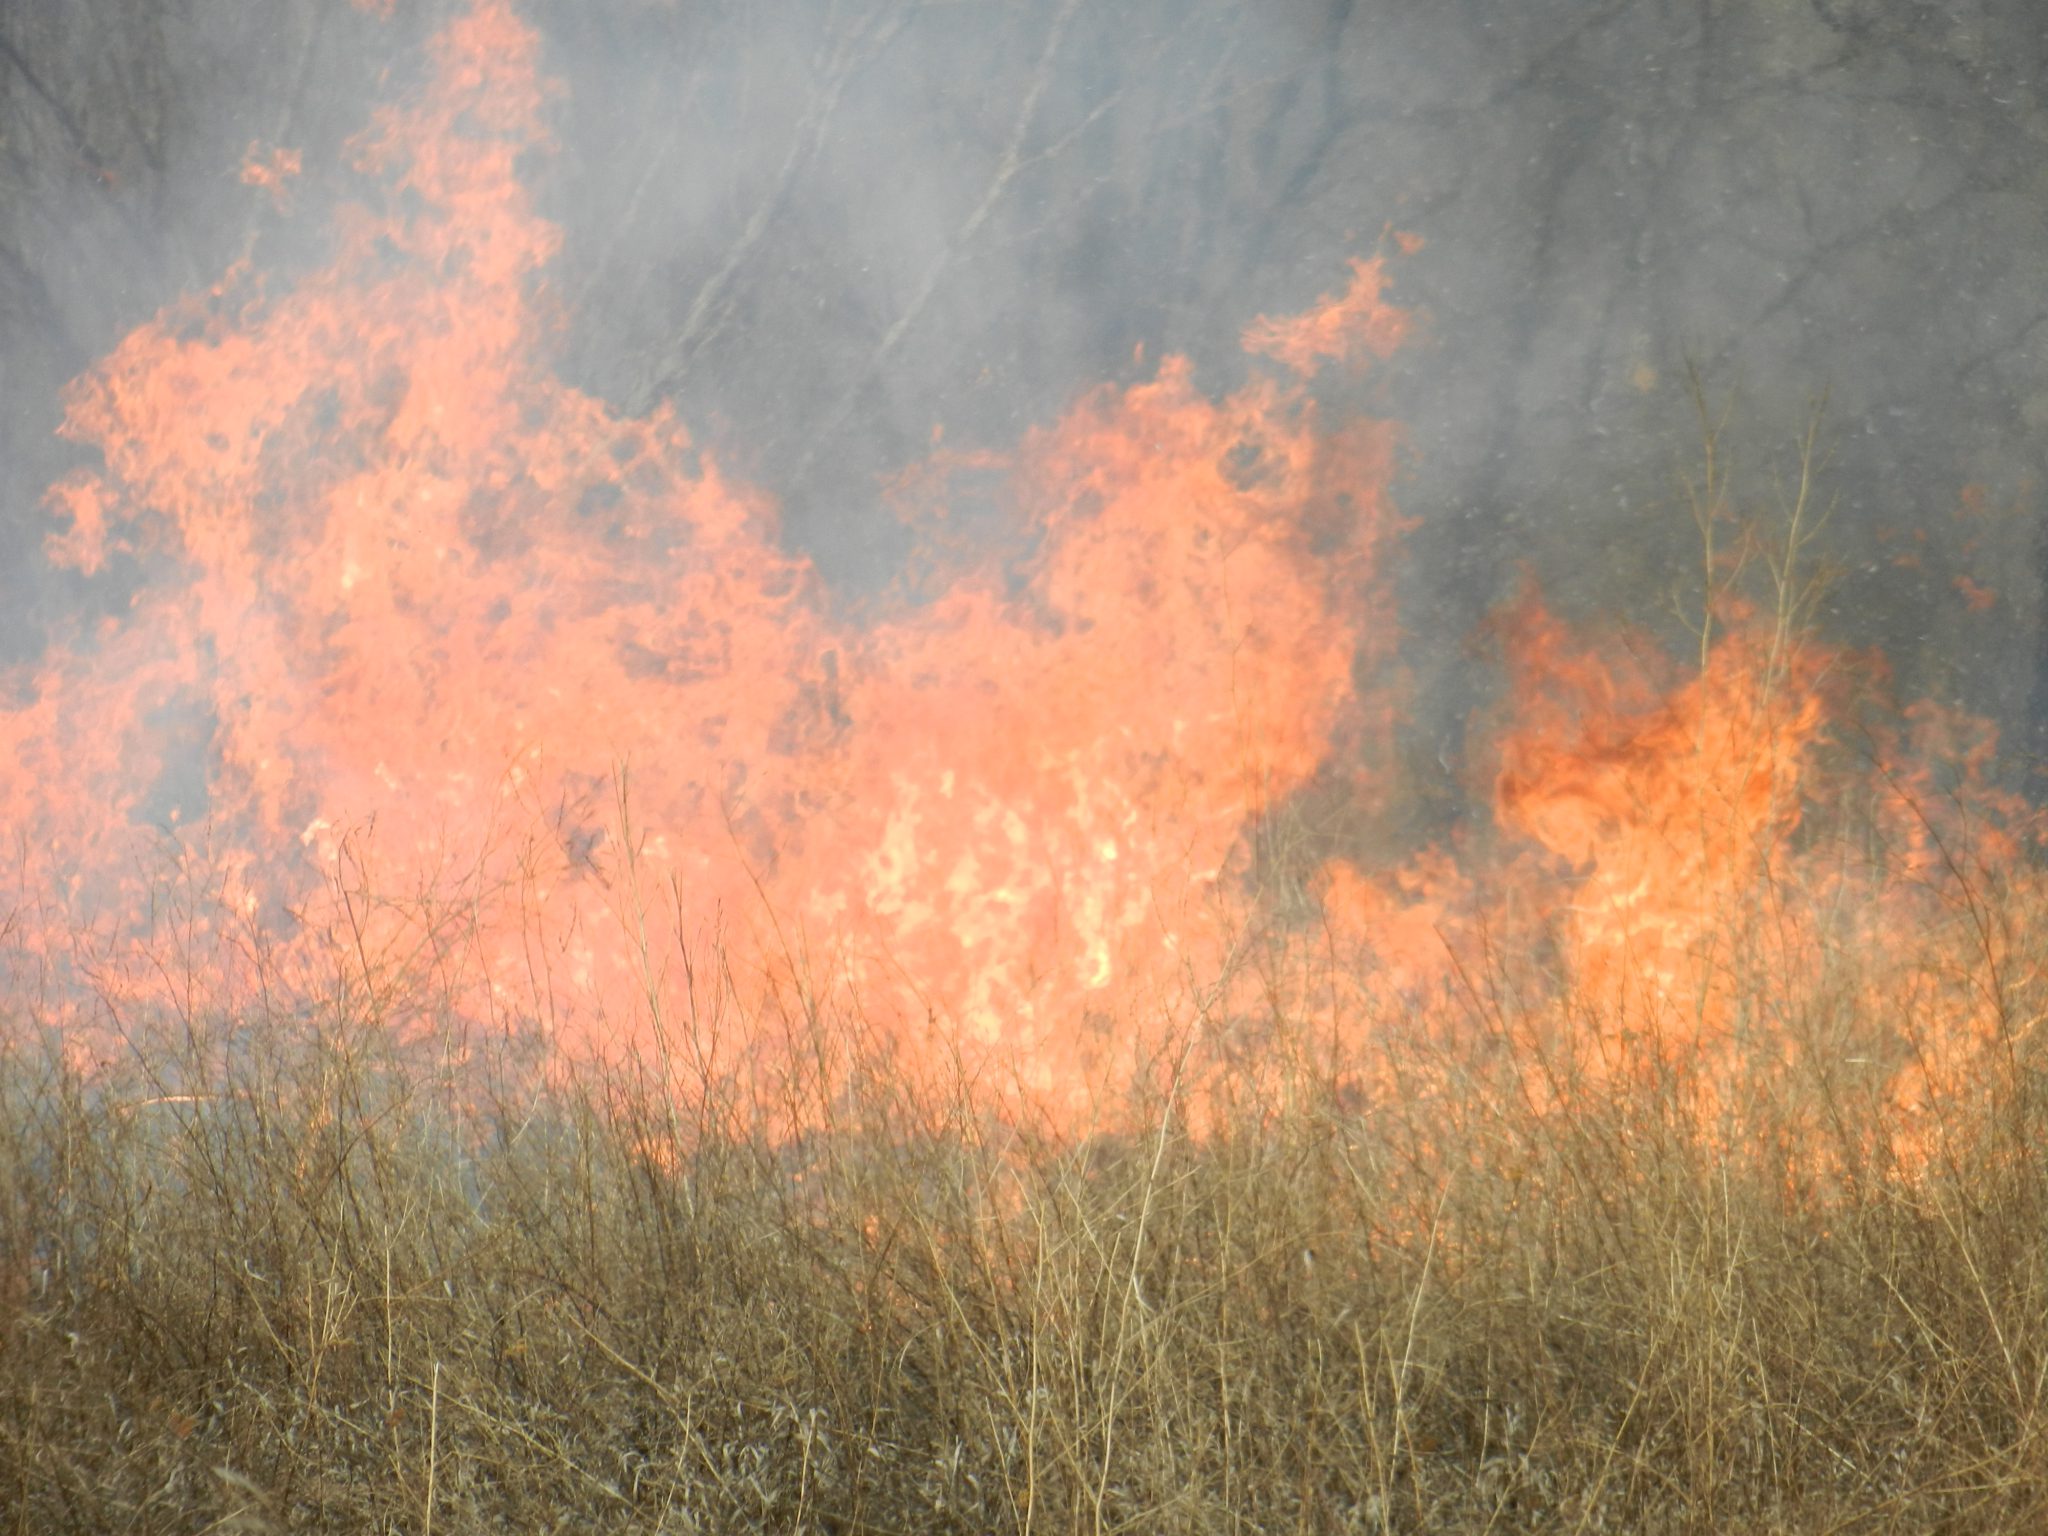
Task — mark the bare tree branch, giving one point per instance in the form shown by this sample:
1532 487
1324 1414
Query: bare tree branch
803 148
1006 171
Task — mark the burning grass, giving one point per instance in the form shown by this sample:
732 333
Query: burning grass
297 1268
946 1094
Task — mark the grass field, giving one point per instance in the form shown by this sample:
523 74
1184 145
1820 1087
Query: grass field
272 1274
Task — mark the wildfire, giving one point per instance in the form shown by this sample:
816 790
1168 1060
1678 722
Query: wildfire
449 680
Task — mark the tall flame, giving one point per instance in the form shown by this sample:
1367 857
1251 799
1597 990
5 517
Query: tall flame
450 682
411 605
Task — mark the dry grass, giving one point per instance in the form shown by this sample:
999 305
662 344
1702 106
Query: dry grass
275 1275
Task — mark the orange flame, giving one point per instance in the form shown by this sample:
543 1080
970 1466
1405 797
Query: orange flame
1343 328
445 679
272 171
412 602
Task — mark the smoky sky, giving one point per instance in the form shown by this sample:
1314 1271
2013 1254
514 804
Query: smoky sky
824 230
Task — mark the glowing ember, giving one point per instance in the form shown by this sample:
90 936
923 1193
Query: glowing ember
272 170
